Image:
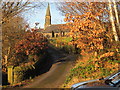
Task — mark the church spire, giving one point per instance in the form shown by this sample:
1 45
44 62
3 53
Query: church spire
48 10
47 17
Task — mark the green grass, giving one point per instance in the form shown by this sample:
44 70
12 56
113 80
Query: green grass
84 70
61 39
62 43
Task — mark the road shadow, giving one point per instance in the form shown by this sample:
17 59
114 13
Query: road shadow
53 56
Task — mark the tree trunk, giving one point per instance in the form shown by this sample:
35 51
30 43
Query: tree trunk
112 22
116 15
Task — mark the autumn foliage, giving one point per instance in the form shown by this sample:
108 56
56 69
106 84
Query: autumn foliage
29 48
87 31
100 53
33 43
92 34
91 31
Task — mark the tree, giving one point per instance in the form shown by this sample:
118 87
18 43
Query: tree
11 9
80 8
116 14
87 32
32 44
112 20
12 24
90 30
11 33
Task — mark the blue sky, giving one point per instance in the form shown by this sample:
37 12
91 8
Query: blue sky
38 15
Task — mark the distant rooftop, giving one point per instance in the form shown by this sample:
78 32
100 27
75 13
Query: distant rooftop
56 28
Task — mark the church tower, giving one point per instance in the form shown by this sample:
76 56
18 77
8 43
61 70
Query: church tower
47 17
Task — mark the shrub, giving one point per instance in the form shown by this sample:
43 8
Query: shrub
32 45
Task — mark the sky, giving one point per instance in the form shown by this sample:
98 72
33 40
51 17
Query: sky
38 15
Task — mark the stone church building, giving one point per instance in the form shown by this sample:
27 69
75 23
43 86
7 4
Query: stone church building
53 30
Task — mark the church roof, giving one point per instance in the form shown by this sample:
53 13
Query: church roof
56 28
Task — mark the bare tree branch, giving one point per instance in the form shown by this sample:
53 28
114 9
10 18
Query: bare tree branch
11 9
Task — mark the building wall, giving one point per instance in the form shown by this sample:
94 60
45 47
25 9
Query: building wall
49 35
47 21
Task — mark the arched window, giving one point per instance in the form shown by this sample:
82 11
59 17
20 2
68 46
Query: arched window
53 34
63 34
56 35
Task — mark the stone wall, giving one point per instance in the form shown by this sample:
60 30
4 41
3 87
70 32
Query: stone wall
20 73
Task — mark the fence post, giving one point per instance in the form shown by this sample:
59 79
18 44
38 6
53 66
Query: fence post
15 76
10 74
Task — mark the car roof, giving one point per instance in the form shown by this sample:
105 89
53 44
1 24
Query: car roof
113 75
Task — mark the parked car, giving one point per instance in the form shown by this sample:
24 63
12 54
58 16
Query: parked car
110 81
